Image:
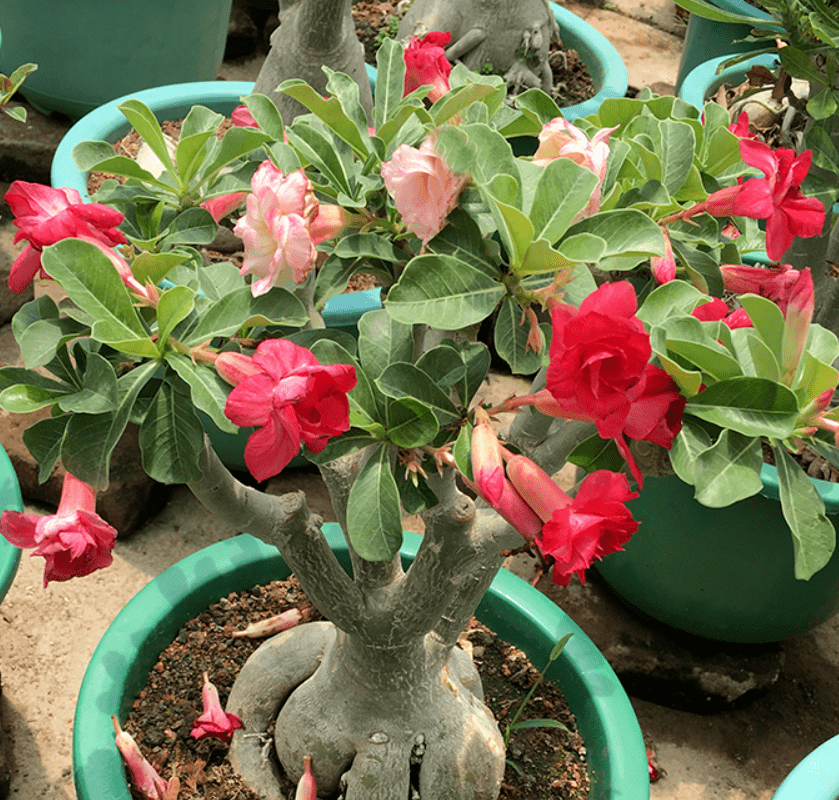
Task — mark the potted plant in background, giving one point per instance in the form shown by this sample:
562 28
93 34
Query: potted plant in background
83 53
432 199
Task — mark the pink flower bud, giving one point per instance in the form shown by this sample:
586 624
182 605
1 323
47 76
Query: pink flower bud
224 204
268 627
514 509
242 117
796 325
235 367
144 775
536 487
487 461
306 788
664 267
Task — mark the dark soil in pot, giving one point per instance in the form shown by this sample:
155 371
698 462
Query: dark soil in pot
549 763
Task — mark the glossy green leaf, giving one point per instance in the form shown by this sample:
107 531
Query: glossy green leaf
25 398
626 232
209 392
691 441
197 128
175 305
99 389
347 443
751 406
390 81
374 518
145 123
563 191
382 341
767 319
236 143
194 226
511 335
669 299
813 534
43 439
689 338
171 435
369 245
816 377
99 156
443 292
728 470
410 423
443 364
462 451
402 380
312 143
40 341
266 114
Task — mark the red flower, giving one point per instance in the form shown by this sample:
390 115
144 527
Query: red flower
242 117
741 128
75 541
777 197
426 63
775 283
291 397
214 722
717 309
599 356
595 524
44 216
656 416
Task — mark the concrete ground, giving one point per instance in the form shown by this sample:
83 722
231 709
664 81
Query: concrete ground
785 697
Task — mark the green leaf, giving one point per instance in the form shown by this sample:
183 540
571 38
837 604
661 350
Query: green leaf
813 534
369 245
511 334
443 292
402 380
476 358
91 438
99 389
691 441
708 11
767 319
44 439
462 239
40 341
823 105
563 191
689 338
175 305
798 65
352 441
197 128
462 451
209 392
25 398
595 453
194 226
410 423
751 406
99 156
266 114
374 519
145 123
676 153
236 143
171 435
443 364
626 231
538 723
321 151
382 341
668 300
390 81
99 291
728 470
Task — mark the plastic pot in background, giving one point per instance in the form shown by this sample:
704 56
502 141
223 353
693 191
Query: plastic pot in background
90 51
722 573
816 777
11 500
706 39
512 608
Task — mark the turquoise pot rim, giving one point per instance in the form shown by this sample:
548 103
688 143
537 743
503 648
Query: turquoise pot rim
828 491
152 618
814 778
10 499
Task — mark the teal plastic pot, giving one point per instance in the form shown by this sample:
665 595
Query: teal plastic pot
90 51
722 573
11 500
107 124
816 777
706 38
515 610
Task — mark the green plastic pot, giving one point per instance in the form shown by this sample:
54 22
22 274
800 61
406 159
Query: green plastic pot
816 777
515 610
706 38
11 500
722 573
90 51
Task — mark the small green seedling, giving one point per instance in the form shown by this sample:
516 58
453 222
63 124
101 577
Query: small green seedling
8 86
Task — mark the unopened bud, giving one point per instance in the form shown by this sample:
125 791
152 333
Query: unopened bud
268 627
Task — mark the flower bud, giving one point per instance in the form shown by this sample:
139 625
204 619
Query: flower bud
306 788
235 367
144 775
487 461
268 627
536 487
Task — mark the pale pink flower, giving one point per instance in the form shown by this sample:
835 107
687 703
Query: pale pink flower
215 721
145 776
424 189
44 216
280 228
560 139
75 541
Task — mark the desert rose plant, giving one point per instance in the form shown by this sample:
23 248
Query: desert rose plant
434 200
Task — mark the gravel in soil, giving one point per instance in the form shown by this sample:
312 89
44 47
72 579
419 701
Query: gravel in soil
549 763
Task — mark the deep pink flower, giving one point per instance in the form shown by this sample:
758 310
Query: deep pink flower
281 228
664 267
75 541
774 282
145 776
44 216
426 64
799 315
717 309
423 188
215 721
741 128
777 197
290 397
598 357
224 204
560 139
242 117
